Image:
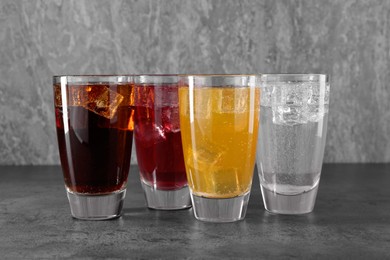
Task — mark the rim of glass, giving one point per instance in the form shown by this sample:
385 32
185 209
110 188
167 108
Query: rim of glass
156 79
218 80
155 75
124 78
294 77
218 75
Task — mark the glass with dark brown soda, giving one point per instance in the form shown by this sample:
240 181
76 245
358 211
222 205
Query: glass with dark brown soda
94 121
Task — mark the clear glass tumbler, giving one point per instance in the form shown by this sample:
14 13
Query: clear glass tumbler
293 123
94 121
158 142
219 116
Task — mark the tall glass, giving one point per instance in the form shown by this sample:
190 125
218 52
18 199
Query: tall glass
219 116
293 123
158 142
94 121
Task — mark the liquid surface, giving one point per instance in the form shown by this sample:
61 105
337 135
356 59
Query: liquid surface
219 130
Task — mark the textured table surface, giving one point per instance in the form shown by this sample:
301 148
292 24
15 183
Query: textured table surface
351 219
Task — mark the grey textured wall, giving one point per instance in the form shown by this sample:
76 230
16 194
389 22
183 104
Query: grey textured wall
350 40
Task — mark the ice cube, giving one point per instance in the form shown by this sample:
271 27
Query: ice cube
104 102
57 95
77 95
233 100
288 115
266 96
313 111
201 105
166 95
144 96
149 134
299 103
226 100
318 102
170 119
207 158
96 98
296 103
289 103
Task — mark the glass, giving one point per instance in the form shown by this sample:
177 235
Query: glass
219 116
94 121
158 142
293 123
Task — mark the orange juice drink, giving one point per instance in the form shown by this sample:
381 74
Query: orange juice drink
219 133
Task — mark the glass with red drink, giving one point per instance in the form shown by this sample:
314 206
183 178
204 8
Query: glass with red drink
158 142
94 121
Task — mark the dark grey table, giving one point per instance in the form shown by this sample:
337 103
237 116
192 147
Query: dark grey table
351 220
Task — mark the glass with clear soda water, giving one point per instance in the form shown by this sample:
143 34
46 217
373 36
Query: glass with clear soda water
292 133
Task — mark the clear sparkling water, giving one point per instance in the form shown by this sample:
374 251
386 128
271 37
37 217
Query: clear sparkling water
293 122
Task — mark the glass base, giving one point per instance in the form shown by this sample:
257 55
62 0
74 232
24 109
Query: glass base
289 204
220 210
96 207
166 199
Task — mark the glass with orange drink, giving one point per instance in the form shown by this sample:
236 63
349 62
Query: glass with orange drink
219 118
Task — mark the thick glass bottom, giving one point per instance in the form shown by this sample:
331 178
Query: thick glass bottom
96 207
220 210
166 199
289 204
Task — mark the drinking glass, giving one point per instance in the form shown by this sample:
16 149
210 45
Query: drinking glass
219 117
94 121
158 142
293 123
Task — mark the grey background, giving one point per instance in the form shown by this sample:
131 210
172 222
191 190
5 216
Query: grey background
350 40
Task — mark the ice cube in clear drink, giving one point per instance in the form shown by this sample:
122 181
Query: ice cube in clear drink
289 103
266 96
297 103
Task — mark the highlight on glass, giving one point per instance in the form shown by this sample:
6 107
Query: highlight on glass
293 124
94 121
219 118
